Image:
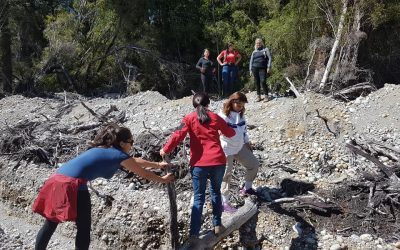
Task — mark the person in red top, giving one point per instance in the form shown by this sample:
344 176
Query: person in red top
229 59
207 159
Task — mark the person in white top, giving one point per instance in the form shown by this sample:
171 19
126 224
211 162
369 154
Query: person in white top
237 147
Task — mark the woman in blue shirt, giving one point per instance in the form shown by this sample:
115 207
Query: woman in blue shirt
65 196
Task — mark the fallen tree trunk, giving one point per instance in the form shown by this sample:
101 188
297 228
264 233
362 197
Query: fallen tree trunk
355 90
231 223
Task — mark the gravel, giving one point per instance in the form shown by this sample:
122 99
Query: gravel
286 132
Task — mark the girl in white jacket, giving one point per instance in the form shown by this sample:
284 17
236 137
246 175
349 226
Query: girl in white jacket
237 147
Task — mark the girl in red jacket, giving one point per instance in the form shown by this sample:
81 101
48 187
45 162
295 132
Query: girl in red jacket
207 159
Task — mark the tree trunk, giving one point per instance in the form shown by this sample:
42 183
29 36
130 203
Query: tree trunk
6 56
335 46
231 223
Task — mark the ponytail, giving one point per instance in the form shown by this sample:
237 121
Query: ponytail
200 103
202 114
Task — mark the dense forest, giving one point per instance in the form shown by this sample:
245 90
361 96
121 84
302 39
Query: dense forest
336 47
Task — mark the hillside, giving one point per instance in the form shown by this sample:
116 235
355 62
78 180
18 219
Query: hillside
290 138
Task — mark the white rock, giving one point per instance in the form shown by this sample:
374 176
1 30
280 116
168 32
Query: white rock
335 247
327 237
366 237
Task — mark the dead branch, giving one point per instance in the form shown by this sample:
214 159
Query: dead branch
293 88
355 89
352 145
335 45
326 123
99 117
84 127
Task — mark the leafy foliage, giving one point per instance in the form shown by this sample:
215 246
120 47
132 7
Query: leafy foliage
126 46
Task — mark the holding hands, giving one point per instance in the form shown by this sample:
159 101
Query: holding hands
168 178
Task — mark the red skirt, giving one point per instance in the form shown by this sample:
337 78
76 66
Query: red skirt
57 200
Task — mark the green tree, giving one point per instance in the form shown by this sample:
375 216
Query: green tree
5 45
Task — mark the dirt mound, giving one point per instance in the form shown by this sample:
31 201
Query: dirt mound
301 139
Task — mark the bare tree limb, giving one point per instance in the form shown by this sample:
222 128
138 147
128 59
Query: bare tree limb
335 45
388 172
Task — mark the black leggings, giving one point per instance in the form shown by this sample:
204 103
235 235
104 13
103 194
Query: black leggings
260 78
206 81
83 223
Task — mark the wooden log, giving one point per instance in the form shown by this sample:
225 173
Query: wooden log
355 89
173 210
231 223
292 87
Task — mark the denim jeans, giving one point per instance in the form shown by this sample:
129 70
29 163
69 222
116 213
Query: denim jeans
199 183
229 73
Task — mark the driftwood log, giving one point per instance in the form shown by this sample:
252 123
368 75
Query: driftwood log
231 223
293 88
173 210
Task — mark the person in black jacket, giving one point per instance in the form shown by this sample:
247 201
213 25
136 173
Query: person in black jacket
260 66
207 69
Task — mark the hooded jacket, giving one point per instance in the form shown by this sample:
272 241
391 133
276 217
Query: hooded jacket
233 145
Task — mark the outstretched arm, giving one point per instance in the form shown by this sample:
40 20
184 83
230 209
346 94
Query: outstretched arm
133 165
224 128
176 137
151 164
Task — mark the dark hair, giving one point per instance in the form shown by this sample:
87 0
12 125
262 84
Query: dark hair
227 49
237 96
111 136
200 102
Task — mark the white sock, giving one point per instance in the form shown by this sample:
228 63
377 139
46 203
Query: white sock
248 185
225 199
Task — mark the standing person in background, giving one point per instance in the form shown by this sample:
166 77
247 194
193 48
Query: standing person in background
237 148
207 70
207 159
229 59
260 67
65 195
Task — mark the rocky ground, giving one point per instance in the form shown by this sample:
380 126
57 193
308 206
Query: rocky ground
290 138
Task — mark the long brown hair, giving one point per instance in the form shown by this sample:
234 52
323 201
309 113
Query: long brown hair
237 96
111 136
